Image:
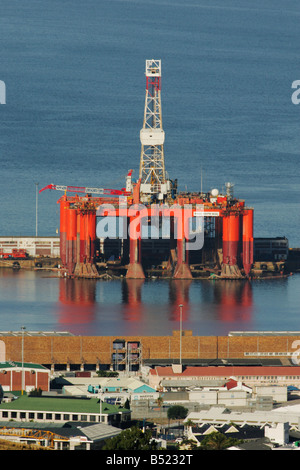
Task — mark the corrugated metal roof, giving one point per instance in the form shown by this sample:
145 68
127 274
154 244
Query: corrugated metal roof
35 333
227 370
25 365
100 431
93 432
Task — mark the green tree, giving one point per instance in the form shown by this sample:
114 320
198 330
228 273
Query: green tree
131 439
159 402
217 441
177 412
37 392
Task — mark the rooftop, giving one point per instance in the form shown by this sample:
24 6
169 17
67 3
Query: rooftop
94 432
221 371
68 404
35 333
25 365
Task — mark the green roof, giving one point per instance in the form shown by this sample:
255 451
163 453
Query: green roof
26 365
68 405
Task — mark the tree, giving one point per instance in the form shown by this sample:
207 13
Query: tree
127 404
159 402
217 441
177 412
37 392
131 439
107 373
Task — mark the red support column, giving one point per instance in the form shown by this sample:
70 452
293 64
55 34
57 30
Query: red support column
182 270
135 269
71 239
78 238
91 236
248 240
231 241
82 256
64 204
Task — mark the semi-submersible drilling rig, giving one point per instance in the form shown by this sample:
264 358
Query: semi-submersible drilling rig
226 224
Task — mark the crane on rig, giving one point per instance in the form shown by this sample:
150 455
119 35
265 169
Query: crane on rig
89 190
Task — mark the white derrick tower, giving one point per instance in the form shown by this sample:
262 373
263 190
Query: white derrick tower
152 165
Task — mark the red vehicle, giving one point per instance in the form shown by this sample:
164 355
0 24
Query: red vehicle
14 254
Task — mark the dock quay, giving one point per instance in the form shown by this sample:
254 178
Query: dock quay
43 253
63 351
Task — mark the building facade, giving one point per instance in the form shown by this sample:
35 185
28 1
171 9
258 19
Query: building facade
250 375
34 246
17 376
64 351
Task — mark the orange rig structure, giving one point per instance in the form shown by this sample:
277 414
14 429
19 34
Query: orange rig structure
106 227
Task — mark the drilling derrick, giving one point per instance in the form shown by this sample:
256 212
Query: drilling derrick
154 185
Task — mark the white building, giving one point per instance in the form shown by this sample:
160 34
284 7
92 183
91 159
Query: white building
34 246
278 433
221 415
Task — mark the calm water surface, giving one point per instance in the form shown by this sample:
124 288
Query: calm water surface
151 307
74 75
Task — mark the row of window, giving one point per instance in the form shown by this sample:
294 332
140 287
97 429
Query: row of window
256 353
46 416
242 377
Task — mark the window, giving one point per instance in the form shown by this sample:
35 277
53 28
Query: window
22 415
4 414
66 417
57 416
40 416
75 417
83 417
48 415
31 415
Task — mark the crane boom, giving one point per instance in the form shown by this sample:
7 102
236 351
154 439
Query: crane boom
86 190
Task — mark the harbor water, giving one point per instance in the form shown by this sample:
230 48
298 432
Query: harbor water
151 307
75 88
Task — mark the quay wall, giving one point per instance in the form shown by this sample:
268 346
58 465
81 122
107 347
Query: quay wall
69 349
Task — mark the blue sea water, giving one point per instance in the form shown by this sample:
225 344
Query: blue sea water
75 85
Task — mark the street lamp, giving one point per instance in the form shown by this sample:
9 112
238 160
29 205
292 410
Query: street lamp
101 393
180 307
23 328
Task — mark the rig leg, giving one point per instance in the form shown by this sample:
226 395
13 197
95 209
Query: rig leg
182 269
135 269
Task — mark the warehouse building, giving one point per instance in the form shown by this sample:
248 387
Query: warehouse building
34 246
250 375
27 376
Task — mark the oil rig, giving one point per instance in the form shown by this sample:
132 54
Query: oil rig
148 227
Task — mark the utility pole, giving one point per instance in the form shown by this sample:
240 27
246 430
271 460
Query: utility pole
36 209
180 359
23 328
